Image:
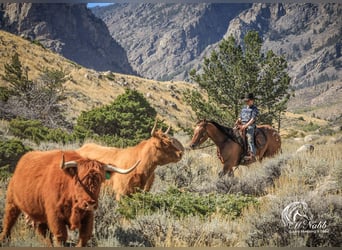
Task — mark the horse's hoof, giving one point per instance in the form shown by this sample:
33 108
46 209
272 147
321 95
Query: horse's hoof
221 174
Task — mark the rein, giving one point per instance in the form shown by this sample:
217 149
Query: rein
206 146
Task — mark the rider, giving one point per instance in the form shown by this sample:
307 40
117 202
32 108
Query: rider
247 120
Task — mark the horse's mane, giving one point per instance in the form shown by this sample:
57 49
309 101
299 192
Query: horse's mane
231 133
226 130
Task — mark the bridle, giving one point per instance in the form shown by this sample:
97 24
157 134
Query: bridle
203 135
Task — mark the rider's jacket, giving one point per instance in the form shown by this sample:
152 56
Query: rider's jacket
249 112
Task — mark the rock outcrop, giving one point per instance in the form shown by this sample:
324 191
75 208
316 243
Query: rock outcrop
166 40
162 38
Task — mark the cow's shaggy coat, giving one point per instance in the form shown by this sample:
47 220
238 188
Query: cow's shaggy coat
160 149
55 189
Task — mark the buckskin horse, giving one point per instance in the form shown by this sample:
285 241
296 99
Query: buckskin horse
230 147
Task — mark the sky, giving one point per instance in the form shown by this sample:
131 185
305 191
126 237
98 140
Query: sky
90 5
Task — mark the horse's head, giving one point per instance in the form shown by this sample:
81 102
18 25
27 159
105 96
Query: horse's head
200 134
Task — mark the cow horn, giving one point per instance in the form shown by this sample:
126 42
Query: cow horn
68 164
120 170
154 127
63 161
168 130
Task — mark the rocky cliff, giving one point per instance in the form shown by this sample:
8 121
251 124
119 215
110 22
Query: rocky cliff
69 29
308 35
161 39
165 40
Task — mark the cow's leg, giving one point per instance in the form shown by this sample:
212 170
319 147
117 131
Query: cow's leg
12 213
149 183
57 227
86 229
135 184
43 230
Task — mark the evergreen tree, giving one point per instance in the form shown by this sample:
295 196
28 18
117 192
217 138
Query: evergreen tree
38 99
126 121
17 77
231 72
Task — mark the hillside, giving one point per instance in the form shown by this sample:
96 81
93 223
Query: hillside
71 30
87 88
164 41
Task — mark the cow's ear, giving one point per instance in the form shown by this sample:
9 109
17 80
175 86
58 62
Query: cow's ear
71 171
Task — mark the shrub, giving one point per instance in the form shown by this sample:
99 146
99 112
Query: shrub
5 93
108 229
267 228
310 127
182 204
10 152
34 130
130 117
255 182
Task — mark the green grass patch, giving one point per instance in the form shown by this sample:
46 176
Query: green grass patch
310 127
182 204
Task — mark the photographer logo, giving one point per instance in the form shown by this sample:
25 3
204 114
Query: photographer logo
298 218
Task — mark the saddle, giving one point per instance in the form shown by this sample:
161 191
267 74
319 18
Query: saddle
259 140
240 137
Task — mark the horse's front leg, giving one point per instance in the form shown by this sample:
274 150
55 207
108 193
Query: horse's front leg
227 168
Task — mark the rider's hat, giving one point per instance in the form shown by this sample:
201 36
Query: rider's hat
248 96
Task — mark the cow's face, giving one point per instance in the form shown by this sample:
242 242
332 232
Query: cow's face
88 177
170 149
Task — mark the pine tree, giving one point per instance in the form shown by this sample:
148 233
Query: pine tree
233 71
38 99
126 121
17 77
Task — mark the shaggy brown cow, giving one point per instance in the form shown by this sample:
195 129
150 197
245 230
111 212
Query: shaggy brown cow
56 189
160 149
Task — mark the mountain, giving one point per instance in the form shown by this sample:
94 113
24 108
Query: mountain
71 30
165 41
160 39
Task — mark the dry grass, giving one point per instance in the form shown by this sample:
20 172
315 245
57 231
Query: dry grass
86 88
276 182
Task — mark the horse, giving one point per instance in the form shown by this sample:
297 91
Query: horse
230 147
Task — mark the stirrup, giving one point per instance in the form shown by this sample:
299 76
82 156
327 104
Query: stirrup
249 158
